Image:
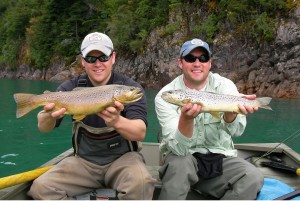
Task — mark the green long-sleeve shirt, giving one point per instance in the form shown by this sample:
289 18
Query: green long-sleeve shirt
210 134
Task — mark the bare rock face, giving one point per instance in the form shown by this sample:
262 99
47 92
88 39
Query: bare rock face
64 75
271 69
37 74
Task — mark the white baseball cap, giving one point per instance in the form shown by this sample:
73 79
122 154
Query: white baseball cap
96 41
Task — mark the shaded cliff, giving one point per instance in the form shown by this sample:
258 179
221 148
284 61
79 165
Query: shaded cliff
269 69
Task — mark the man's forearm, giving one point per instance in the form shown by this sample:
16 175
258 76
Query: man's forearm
186 127
131 129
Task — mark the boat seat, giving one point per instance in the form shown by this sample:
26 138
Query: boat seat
111 194
99 194
107 193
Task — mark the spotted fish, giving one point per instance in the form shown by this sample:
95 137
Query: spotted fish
212 102
80 101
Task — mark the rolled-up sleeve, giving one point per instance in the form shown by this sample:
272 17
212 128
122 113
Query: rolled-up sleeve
235 128
168 117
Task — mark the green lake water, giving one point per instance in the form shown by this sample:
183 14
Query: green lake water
24 148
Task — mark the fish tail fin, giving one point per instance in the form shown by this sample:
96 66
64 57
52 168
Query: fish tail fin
24 104
264 102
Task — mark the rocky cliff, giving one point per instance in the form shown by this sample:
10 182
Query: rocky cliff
267 69
271 69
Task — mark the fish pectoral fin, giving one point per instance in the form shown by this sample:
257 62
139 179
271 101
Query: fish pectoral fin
185 101
79 117
114 98
215 115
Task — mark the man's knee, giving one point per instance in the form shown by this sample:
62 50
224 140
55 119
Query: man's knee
41 190
182 163
250 184
37 189
254 178
180 167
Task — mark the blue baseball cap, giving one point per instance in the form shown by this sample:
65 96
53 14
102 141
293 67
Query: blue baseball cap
189 45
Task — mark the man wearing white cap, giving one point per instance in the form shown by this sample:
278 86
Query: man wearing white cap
105 144
197 148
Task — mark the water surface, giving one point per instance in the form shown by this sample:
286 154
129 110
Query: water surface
24 148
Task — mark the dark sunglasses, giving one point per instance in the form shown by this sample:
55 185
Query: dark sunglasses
92 59
191 58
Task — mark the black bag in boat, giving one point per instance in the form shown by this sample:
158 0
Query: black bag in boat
209 165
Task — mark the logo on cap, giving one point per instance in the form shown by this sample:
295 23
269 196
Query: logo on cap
95 37
197 42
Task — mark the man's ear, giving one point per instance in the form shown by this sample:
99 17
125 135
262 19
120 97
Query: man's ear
114 57
82 62
179 61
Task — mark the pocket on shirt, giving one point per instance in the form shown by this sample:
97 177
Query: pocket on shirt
209 119
212 136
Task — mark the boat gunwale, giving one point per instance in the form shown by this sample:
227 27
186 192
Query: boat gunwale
13 191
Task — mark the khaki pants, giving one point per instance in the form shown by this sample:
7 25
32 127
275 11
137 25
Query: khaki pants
240 179
74 176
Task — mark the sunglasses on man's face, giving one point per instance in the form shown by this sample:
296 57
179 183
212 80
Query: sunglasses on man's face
191 58
92 59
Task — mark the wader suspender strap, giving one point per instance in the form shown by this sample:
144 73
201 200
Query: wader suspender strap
82 82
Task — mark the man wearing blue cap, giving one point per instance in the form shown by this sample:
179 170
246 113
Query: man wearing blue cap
197 148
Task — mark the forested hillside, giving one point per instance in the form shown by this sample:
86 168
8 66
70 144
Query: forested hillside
37 31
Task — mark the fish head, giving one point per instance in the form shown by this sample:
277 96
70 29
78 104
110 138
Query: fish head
176 97
127 94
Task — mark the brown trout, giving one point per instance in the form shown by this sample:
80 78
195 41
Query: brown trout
80 101
212 102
